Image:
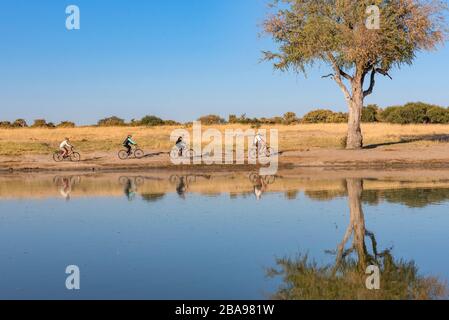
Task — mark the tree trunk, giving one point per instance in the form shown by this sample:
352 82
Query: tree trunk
355 139
355 188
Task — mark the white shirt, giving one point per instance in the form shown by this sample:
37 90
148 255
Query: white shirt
64 144
258 138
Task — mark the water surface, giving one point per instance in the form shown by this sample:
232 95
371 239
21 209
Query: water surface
224 236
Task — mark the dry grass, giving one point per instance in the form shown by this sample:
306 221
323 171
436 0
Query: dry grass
298 137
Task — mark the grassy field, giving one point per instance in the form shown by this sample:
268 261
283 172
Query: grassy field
14 142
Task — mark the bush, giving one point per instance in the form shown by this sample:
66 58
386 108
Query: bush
371 113
290 118
171 123
66 124
151 121
5 124
438 115
111 122
20 123
40 123
325 116
411 113
211 119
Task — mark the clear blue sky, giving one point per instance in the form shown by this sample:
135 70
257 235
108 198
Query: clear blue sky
176 59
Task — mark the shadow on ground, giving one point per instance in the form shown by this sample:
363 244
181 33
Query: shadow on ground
410 139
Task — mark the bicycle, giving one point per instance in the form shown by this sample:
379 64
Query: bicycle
175 179
182 152
255 178
124 155
71 156
138 181
264 150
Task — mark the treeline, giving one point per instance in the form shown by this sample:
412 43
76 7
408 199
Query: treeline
410 113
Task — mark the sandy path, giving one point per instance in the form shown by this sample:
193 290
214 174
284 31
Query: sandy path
406 155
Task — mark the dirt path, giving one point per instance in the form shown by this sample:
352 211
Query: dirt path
411 156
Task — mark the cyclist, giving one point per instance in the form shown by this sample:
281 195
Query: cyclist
128 143
65 147
180 145
259 141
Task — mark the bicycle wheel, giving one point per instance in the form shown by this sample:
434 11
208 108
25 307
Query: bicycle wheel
268 152
57 180
191 179
139 154
190 153
174 154
269 179
174 179
123 155
254 177
75 157
57 156
123 180
139 181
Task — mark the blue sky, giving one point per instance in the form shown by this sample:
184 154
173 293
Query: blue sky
177 59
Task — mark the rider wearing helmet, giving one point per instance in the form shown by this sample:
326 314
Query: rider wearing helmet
128 143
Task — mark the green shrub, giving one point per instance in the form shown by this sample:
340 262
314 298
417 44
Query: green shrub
325 116
40 123
20 123
111 122
151 121
5 124
290 118
171 123
438 115
410 113
371 113
211 119
385 114
66 124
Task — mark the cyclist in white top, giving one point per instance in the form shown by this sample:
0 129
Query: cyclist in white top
258 141
65 146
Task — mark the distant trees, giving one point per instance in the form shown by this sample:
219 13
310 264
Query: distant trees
20 123
66 124
416 112
42 123
111 122
211 119
325 116
410 113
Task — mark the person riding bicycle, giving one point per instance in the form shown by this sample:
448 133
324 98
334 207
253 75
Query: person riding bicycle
259 142
180 145
128 143
65 147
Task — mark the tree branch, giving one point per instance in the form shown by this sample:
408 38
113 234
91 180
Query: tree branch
372 83
373 79
337 76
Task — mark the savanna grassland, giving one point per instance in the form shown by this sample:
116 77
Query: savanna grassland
302 137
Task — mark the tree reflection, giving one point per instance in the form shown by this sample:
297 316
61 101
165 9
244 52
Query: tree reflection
346 279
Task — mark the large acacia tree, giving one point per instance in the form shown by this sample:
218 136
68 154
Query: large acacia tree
335 32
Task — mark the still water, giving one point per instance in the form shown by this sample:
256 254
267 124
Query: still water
223 236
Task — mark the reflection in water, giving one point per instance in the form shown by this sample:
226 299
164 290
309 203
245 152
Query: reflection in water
260 183
130 187
66 185
346 279
231 226
183 183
